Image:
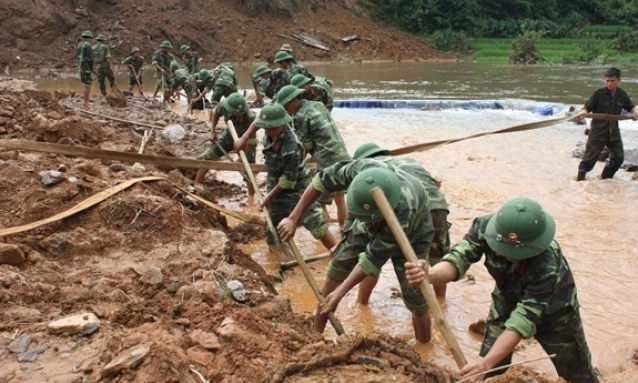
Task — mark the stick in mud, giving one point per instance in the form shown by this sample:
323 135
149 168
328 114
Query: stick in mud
506 366
289 265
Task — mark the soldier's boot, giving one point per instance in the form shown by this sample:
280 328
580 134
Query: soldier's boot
607 173
581 175
422 327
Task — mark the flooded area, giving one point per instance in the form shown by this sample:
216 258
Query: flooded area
596 220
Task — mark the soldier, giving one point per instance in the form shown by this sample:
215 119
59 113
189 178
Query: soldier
313 91
610 100
225 82
102 57
85 64
235 109
436 204
288 176
272 80
205 81
320 137
191 59
288 48
535 293
134 63
367 242
284 60
162 59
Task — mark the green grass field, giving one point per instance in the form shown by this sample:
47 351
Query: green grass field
553 50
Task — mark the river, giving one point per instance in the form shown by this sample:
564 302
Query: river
595 219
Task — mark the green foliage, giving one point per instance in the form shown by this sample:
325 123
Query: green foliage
626 42
272 5
524 48
589 51
449 40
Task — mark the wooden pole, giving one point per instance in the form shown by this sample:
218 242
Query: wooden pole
507 366
139 86
288 265
426 289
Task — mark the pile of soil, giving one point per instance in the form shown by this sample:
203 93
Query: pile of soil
45 34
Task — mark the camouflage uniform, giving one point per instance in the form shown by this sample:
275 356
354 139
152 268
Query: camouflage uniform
190 62
164 61
85 62
605 133
101 53
320 137
533 297
224 143
223 85
294 69
284 159
137 66
278 79
180 77
371 245
436 204
321 94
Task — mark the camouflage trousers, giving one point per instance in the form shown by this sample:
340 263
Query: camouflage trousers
131 80
103 74
313 219
218 92
593 150
224 145
85 75
164 81
560 333
346 256
441 243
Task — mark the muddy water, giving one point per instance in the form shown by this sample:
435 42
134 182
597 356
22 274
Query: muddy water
596 219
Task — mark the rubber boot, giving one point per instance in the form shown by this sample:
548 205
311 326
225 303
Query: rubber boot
607 173
581 175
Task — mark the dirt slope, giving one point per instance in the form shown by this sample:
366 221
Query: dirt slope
45 33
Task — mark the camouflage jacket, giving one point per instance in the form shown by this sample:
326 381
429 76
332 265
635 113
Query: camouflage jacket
85 54
436 199
190 62
136 63
241 124
319 135
284 159
164 61
411 211
278 79
294 69
263 85
320 94
181 75
101 53
601 102
226 77
529 291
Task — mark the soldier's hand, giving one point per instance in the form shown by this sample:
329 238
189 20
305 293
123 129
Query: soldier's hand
634 116
332 301
286 229
239 144
212 136
416 272
473 369
265 204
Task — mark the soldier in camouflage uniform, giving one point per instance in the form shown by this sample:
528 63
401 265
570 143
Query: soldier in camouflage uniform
313 90
436 203
102 57
134 62
191 59
85 64
535 293
288 48
225 83
284 60
180 77
234 109
288 176
319 135
610 100
367 242
162 59
272 80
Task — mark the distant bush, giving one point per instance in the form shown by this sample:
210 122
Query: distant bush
449 40
272 5
626 42
605 31
524 48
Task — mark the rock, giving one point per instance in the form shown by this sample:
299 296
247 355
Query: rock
3 130
64 141
632 355
57 244
9 156
50 177
82 12
138 168
215 242
174 133
228 327
54 115
117 167
66 378
6 113
21 344
11 255
174 285
127 93
61 94
127 359
62 168
205 339
176 177
257 55
31 355
237 289
182 321
200 356
116 99
151 275
84 324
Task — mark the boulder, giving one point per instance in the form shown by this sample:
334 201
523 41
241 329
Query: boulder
174 133
51 177
57 244
150 275
205 339
237 290
116 99
11 255
84 324
127 359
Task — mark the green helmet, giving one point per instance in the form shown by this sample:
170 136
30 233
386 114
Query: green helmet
360 202
257 78
136 49
369 149
100 37
262 69
227 65
286 47
299 80
205 74
184 48
174 66
166 44
283 55
235 103
272 116
520 229
87 34
287 94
